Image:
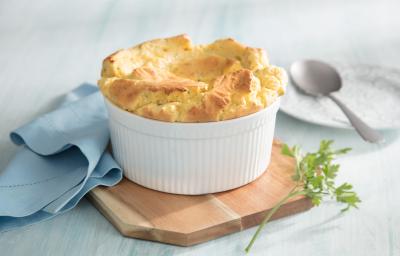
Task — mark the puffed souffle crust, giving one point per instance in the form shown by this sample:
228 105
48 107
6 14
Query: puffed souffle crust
173 80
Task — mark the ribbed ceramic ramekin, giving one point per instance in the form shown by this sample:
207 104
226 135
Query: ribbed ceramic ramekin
192 158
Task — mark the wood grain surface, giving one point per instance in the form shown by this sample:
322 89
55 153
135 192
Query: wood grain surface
185 220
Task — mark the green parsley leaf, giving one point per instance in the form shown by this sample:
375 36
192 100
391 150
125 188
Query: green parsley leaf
314 177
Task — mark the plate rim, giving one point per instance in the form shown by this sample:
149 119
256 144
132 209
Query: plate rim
337 126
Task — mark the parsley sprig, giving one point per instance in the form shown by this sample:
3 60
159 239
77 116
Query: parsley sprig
314 177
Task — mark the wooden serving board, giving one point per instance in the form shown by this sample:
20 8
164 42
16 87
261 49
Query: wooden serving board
143 213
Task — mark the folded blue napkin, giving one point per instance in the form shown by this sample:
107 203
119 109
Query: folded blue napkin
62 156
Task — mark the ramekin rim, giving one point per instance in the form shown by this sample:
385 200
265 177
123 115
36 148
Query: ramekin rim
204 124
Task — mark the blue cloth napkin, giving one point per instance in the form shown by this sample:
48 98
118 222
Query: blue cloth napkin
62 156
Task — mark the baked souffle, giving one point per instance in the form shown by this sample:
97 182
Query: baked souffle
174 80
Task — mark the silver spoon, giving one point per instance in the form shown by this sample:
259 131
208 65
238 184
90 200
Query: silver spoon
317 78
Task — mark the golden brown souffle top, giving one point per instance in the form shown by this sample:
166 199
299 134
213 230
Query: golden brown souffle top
174 80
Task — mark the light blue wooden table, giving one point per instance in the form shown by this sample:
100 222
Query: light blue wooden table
49 47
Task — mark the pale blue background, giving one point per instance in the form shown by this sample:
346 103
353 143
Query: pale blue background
48 47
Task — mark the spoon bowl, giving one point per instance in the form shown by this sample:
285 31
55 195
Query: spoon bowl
315 77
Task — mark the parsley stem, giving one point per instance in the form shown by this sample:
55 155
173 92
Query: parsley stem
291 194
314 177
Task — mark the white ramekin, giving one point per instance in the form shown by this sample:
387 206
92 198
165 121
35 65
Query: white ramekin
192 158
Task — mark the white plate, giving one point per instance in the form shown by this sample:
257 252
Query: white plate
372 92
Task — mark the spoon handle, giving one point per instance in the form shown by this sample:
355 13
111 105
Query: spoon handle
365 131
